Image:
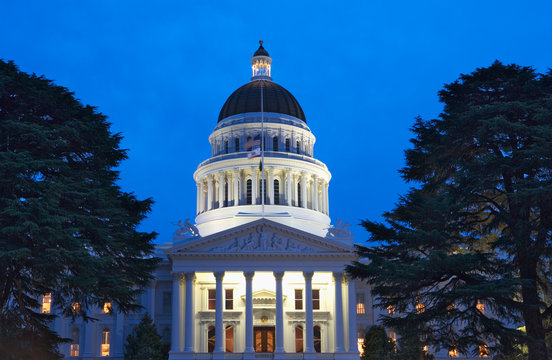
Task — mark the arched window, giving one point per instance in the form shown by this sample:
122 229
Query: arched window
229 338
299 202
276 192
75 338
211 339
275 143
106 341
226 146
298 339
298 147
237 144
262 186
249 198
317 339
288 146
225 194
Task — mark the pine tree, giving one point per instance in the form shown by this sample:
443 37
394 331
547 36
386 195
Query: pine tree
144 343
66 228
470 243
377 345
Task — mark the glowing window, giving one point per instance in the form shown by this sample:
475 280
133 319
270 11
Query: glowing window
316 299
453 352
425 348
393 336
298 339
360 343
230 338
317 339
76 307
361 307
74 348
212 299
451 307
229 299
47 303
391 309
483 351
480 306
106 308
298 299
275 143
211 339
106 340
420 308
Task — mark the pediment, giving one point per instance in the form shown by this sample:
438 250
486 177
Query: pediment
261 237
264 294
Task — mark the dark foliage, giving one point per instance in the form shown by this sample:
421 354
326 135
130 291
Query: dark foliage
377 345
145 343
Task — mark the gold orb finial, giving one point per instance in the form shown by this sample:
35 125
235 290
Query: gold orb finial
261 42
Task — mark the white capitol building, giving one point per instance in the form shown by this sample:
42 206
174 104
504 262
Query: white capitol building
256 276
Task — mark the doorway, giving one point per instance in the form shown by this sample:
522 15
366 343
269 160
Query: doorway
264 338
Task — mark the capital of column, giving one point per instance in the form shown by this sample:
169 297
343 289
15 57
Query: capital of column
308 275
190 275
338 277
248 275
219 275
278 275
178 276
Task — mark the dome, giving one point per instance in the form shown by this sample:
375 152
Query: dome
247 99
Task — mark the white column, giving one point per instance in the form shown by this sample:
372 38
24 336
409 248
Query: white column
270 185
219 327
189 315
303 190
254 186
327 199
201 202
198 198
309 344
176 323
295 192
288 187
352 317
338 279
236 190
221 190
209 192
279 313
315 197
249 311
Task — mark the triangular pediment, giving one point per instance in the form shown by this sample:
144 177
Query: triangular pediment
264 294
261 237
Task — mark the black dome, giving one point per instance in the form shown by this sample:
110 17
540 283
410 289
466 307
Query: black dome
247 99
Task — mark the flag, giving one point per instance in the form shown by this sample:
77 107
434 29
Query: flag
251 143
256 152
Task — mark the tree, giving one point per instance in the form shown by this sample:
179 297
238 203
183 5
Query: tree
411 347
377 345
66 227
470 243
144 343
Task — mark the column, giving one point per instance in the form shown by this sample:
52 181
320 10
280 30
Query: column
338 279
236 189
219 327
315 197
303 190
198 198
88 337
254 186
279 313
189 315
327 199
176 324
209 192
295 192
270 185
221 190
288 187
118 334
309 344
201 207
352 317
322 204
249 311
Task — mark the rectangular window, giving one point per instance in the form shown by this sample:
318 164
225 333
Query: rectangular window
287 145
106 340
298 299
237 144
275 143
226 147
453 352
316 299
47 303
480 306
483 351
106 308
212 299
391 309
166 302
229 299
361 307
74 350
298 147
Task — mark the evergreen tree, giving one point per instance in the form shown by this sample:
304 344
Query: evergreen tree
66 228
377 345
470 243
144 343
411 348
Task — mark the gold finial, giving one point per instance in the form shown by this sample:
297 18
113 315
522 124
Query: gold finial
261 42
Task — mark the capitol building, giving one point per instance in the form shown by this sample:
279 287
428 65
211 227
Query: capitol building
260 272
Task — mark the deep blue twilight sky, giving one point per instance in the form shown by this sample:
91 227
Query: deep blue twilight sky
361 70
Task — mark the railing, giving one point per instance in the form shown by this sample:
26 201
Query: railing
290 356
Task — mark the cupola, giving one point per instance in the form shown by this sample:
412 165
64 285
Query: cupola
260 64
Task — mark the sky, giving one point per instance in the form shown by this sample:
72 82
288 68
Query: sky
361 70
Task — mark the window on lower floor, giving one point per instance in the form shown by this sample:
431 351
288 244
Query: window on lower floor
483 351
317 335
106 341
211 339
480 306
106 308
361 306
298 299
166 337
75 338
316 299
47 303
298 339
229 299
230 338
453 352
166 302
420 308
76 307
212 299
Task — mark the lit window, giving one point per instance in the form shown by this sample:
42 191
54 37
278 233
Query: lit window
316 299
76 307
229 299
453 352
275 143
420 308
391 309
317 339
212 299
298 339
47 303
74 348
298 299
451 307
230 338
393 336
107 308
480 306
106 340
211 339
425 348
361 307
360 342
483 351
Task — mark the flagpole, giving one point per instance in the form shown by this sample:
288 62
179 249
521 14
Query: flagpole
263 184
